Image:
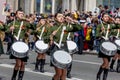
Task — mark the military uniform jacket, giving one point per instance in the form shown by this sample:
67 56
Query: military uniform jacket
17 24
73 28
100 32
1 36
46 33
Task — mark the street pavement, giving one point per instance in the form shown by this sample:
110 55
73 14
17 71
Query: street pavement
84 67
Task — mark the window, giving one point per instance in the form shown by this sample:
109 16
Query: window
38 6
47 6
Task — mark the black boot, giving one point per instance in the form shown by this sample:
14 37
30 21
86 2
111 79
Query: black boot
118 66
52 78
37 64
21 74
111 66
69 70
14 74
42 65
105 74
99 73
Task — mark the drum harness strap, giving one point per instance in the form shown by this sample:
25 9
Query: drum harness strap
61 36
106 36
17 37
40 37
118 33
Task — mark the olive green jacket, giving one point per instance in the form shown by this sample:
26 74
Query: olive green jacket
25 27
100 32
73 28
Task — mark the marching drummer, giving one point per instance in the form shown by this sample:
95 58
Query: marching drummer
13 28
60 73
116 34
41 56
2 35
105 26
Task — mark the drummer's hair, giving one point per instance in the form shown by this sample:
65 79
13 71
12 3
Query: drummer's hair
104 14
57 14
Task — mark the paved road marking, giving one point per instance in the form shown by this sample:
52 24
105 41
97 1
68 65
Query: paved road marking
87 62
30 70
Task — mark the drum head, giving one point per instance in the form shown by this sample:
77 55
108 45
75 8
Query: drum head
109 46
20 47
62 57
41 45
117 42
71 45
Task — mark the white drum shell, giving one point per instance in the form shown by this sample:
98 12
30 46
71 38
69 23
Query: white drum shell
41 47
72 47
19 49
61 59
108 48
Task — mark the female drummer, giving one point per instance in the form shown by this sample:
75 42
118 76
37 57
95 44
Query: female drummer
101 31
60 73
2 35
40 60
20 62
117 55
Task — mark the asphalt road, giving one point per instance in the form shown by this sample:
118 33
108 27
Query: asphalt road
84 67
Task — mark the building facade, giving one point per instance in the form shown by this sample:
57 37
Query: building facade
53 6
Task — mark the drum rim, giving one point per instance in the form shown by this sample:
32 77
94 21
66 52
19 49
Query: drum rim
65 52
75 45
18 52
40 40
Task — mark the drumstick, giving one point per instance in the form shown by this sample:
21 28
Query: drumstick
13 25
19 31
51 36
58 28
102 25
40 37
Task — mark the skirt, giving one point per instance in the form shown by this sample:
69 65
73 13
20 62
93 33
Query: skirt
25 59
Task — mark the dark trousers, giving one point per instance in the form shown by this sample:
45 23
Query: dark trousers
80 44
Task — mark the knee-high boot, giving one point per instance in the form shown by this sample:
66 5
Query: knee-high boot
99 73
37 65
14 74
21 74
69 70
42 65
118 66
111 65
105 74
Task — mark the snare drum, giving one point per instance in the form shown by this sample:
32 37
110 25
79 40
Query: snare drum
61 59
117 42
19 49
72 47
41 47
108 48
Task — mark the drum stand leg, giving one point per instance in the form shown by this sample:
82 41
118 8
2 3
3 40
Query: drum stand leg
42 65
99 73
118 66
14 74
69 70
105 74
21 74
